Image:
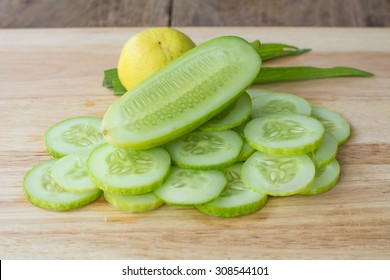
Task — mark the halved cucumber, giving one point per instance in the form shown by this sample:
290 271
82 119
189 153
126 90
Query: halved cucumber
278 175
73 135
232 116
137 203
326 152
183 95
333 122
205 149
280 102
71 174
122 171
41 190
188 187
237 199
325 179
284 133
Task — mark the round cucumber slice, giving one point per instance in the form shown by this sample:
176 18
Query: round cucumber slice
237 199
137 203
278 175
326 152
284 133
232 116
71 174
325 179
246 149
183 95
255 92
186 187
74 135
333 123
205 149
122 171
41 190
279 102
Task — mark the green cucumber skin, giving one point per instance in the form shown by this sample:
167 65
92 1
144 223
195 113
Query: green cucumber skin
123 191
233 212
53 206
135 208
179 130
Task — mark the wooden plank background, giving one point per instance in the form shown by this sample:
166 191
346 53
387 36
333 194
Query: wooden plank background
118 13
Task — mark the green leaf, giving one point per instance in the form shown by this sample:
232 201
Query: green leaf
109 75
274 50
296 73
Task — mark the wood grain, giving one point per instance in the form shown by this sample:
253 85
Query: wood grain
281 13
83 13
47 75
98 13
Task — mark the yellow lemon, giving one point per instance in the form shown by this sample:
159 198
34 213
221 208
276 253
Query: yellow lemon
148 51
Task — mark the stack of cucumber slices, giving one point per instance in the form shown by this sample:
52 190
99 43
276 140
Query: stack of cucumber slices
193 135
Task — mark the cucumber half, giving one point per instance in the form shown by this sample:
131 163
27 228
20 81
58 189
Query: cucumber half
122 171
183 95
41 190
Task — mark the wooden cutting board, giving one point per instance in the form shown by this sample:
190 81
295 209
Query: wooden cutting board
51 74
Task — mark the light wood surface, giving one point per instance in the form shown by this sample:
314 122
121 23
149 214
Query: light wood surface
47 75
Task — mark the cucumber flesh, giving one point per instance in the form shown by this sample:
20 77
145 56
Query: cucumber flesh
246 149
137 203
205 149
183 95
73 135
278 175
186 187
284 133
41 190
325 179
71 174
333 123
122 171
279 102
255 92
232 116
326 152
237 199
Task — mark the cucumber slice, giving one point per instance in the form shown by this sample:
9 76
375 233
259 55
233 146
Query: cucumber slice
278 175
237 199
326 152
246 149
255 92
205 149
333 122
232 116
122 171
71 174
137 203
186 187
279 102
183 95
325 179
73 135
284 133
41 190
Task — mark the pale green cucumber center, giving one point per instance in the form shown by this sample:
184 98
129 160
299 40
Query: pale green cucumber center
278 175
